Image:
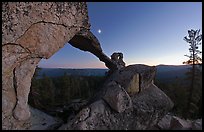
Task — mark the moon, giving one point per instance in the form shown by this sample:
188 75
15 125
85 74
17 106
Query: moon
99 31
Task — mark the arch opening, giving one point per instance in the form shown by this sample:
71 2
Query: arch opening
62 92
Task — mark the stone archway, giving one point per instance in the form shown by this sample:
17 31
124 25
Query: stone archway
35 30
32 31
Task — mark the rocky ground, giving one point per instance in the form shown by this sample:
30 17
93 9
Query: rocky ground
172 122
43 121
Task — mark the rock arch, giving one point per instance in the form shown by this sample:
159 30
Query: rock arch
32 31
35 30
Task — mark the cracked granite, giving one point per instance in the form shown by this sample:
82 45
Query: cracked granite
32 31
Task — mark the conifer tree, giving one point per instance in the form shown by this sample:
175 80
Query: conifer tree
194 39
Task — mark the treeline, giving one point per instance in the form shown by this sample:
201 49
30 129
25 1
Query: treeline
47 93
178 91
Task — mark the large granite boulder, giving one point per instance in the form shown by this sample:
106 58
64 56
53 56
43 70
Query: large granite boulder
116 109
134 78
117 98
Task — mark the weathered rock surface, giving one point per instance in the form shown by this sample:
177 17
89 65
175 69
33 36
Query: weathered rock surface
172 122
31 31
117 110
197 124
21 19
165 122
179 124
42 121
134 78
117 98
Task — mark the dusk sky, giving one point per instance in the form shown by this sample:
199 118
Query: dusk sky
148 33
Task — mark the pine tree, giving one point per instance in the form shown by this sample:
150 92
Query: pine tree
194 39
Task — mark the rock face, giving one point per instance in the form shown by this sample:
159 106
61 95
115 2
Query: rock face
116 109
134 78
32 31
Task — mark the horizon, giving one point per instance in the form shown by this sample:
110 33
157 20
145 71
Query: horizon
149 33
105 67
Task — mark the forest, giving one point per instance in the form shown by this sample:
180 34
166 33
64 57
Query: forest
48 93
178 91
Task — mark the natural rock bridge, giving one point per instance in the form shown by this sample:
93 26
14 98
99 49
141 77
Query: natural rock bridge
35 30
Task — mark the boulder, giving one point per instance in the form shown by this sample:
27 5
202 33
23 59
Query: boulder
180 124
115 109
117 98
130 78
87 118
134 78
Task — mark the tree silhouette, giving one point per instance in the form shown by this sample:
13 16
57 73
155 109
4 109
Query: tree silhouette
194 39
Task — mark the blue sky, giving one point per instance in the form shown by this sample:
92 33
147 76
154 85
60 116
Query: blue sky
148 33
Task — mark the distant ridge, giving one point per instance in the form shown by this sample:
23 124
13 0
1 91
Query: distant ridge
165 73
168 73
56 72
